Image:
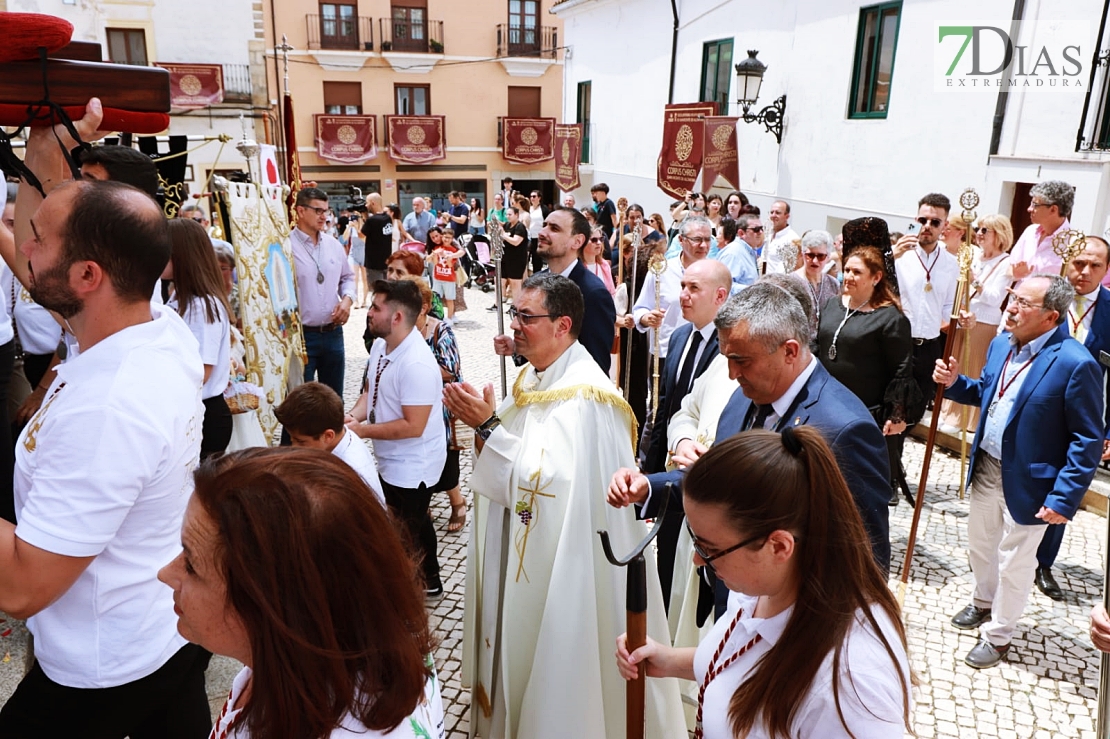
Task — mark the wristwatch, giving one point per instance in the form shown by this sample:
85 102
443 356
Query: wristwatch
487 427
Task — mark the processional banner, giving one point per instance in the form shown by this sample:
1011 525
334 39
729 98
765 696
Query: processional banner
720 156
568 145
267 293
680 157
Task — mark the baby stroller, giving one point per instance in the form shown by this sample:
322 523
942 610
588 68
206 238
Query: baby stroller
480 271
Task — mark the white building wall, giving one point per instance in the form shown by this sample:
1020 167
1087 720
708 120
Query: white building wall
831 168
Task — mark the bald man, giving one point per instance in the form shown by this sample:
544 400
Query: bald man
705 286
378 230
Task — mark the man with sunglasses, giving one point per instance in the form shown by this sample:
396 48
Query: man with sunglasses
541 583
927 276
325 289
1050 204
1038 443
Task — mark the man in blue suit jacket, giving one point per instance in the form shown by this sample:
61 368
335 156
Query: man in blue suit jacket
565 232
764 333
1089 323
1039 440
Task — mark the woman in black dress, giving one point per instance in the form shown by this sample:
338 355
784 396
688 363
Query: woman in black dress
515 260
864 341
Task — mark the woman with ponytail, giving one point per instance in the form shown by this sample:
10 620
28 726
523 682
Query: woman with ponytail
812 644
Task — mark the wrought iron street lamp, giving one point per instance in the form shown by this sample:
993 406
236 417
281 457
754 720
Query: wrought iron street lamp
749 78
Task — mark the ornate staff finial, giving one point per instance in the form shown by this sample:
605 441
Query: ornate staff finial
285 48
969 201
1067 245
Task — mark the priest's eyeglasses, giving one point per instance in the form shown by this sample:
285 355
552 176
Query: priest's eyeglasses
708 558
527 318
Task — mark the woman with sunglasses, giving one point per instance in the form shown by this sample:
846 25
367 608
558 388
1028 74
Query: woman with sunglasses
812 644
991 275
593 258
822 287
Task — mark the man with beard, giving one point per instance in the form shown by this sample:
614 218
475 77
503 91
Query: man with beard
401 410
561 239
93 530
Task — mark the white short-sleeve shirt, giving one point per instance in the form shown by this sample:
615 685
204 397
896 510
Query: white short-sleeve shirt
410 376
104 469
358 457
871 695
214 340
39 333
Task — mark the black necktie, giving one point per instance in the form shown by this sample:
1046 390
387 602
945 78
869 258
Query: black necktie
763 412
686 374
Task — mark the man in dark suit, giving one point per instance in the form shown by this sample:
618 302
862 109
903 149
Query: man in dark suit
1039 440
565 232
764 334
705 288
1089 324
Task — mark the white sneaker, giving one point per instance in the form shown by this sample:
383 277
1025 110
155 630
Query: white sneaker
947 428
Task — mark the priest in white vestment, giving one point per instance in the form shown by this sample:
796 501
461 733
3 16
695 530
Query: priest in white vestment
543 605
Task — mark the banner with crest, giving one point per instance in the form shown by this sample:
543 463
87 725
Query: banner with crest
527 140
720 157
267 293
416 139
568 147
680 157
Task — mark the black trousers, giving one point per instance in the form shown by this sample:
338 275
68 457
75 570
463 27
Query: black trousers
410 507
170 703
537 260
215 434
35 366
925 356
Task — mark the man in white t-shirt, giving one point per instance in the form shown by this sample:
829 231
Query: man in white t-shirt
780 248
402 411
312 414
103 474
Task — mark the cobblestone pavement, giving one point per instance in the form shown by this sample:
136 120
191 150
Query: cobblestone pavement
1046 688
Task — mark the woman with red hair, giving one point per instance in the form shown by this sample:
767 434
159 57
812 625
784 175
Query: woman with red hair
291 566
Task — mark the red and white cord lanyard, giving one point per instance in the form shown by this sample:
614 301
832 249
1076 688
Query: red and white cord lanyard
713 670
227 729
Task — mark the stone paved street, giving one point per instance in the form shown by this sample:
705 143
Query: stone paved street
1047 688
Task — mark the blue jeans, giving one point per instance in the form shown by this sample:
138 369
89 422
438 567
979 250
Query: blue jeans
326 358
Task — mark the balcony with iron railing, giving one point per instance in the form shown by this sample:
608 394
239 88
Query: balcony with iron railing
340 33
237 83
405 35
538 42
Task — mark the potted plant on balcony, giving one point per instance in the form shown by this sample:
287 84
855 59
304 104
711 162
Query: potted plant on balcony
436 46
387 46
